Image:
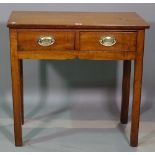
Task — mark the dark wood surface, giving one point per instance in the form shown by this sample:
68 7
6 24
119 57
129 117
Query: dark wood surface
125 91
28 40
78 38
16 88
66 40
104 20
138 74
125 41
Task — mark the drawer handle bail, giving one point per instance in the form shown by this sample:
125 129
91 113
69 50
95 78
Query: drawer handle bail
46 40
107 41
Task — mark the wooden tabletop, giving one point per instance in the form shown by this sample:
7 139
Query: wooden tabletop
103 20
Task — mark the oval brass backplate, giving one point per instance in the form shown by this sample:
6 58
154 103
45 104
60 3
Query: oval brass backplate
107 41
46 41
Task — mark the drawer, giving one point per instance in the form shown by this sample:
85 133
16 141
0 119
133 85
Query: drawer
108 41
45 40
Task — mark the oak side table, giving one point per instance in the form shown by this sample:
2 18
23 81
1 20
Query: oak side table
69 35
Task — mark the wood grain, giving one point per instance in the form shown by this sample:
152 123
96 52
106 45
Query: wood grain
104 20
91 55
28 40
138 70
16 87
125 91
106 55
125 41
21 90
48 55
77 36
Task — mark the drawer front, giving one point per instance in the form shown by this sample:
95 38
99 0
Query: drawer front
108 41
45 40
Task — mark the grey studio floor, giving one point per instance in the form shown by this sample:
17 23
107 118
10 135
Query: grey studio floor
76 120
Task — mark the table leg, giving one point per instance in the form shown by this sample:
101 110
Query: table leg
136 103
21 90
16 92
125 91
138 70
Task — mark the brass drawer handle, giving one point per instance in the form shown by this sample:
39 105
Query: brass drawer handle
46 41
107 41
